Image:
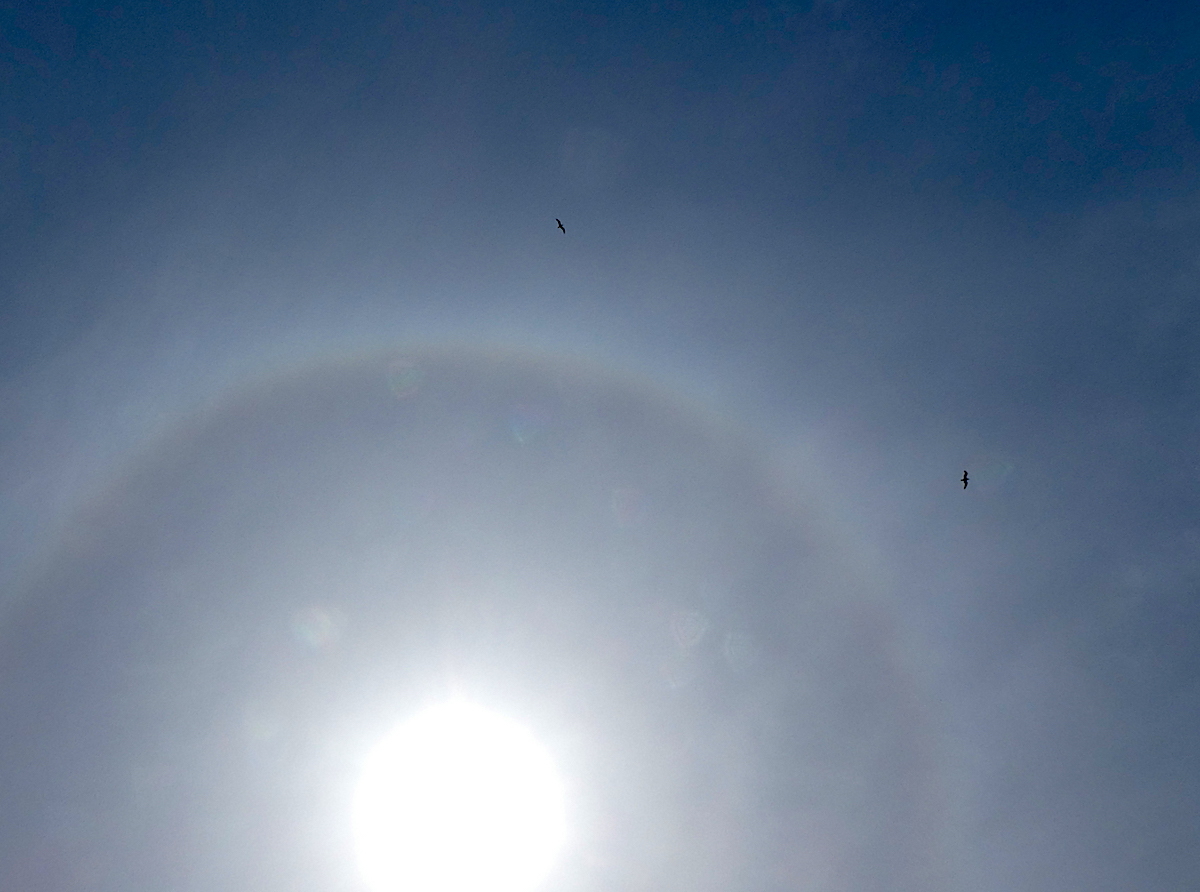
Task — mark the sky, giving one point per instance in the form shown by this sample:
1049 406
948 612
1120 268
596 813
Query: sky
311 416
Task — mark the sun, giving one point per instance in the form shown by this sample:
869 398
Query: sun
458 799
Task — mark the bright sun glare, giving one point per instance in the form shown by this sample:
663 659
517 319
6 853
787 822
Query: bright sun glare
458 799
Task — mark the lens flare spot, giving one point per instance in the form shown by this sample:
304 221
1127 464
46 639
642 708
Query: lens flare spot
738 650
317 627
688 627
528 423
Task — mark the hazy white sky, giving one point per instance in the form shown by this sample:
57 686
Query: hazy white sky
309 414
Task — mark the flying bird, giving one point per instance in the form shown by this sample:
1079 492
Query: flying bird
560 226
964 480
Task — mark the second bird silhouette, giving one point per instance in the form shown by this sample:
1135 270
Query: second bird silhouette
560 226
964 480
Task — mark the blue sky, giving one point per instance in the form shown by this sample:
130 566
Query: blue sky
309 410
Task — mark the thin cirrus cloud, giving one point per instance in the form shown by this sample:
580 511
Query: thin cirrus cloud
310 407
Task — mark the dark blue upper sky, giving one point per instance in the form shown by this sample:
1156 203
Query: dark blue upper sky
871 243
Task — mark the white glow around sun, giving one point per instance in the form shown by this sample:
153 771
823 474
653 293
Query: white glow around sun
458 799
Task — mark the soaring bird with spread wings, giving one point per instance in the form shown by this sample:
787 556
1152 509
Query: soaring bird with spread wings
560 226
964 480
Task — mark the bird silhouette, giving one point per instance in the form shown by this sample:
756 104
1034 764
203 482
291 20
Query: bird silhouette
560 226
964 480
